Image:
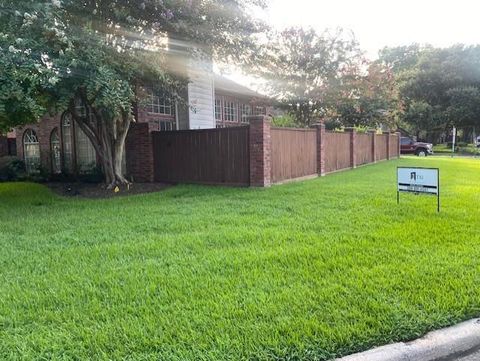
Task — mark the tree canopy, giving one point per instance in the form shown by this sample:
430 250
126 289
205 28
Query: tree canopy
88 57
438 88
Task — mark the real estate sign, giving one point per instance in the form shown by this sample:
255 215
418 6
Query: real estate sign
419 181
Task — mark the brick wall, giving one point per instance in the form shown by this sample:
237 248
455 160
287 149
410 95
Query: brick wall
44 130
260 151
139 153
3 146
320 149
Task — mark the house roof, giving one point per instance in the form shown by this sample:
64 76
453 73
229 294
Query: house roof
229 86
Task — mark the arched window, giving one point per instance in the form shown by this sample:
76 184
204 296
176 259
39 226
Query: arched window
85 152
76 146
67 142
31 151
55 151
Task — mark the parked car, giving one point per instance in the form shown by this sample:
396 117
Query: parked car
409 146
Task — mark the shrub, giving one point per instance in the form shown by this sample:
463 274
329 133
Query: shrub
284 121
11 169
95 175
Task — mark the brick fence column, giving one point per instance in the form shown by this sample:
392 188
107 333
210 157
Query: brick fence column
320 149
260 151
399 137
139 153
353 141
373 134
388 144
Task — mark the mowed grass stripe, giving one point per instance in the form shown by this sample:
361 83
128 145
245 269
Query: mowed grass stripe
308 270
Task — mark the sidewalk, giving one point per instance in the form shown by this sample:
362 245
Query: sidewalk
456 343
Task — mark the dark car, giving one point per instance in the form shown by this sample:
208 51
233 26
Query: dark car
409 146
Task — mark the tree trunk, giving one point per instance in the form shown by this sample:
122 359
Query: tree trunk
108 138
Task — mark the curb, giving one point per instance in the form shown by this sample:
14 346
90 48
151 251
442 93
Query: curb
441 345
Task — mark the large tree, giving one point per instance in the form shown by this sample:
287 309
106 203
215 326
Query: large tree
88 57
364 98
305 65
438 87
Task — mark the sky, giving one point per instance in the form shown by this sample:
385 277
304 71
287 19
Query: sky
378 23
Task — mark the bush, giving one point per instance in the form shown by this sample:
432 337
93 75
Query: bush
40 175
95 175
284 121
12 169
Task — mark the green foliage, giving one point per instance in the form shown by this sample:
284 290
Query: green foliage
284 121
309 270
304 66
363 100
95 175
439 88
94 55
460 148
11 169
322 76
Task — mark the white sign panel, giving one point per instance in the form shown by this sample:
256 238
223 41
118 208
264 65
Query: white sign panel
418 180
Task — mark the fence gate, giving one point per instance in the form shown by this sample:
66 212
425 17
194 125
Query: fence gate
210 156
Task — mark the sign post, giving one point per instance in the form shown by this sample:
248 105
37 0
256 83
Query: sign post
419 181
454 138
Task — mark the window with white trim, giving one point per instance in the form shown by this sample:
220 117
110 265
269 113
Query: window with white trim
260 110
245 112
31 151
230 111
85 152
67 142
55 151
218 109
159 103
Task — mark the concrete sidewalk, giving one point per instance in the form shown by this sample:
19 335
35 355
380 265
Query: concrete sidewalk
457 343
475 356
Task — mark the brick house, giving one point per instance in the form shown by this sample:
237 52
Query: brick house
8 145
57 145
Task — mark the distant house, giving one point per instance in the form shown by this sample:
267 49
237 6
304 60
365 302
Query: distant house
57 145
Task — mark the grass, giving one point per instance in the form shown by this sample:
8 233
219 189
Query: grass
308 270
468 149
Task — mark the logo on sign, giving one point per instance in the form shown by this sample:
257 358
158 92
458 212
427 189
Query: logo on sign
418 180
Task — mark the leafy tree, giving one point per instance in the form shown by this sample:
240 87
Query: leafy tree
367 99
89 57
438 87
401 58
304 66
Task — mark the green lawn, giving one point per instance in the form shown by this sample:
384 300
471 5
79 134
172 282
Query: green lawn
307 270
469 149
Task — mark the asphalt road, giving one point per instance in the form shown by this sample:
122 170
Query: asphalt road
473 357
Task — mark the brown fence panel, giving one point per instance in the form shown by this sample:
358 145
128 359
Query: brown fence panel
363 148
294 153
394 146
210 156
337 151
381 147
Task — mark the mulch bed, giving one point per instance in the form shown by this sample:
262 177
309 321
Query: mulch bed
98 190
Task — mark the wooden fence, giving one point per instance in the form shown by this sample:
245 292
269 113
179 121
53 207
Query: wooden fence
364 148
293 153
256 155
337 151
210 156
381 147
